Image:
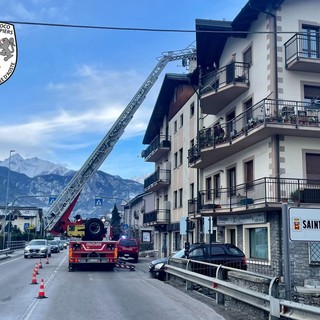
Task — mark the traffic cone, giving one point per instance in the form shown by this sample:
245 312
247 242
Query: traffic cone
41 294
36 270
34 278
47 260
40 264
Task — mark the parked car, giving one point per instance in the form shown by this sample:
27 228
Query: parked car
128 249
60 244
37 248
54 246
225 254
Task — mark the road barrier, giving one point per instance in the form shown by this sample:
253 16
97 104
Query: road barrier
269 302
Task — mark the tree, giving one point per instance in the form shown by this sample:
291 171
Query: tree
115 223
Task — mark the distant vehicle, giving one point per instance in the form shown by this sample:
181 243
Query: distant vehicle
225 254
54 246
128 249
37 248
65 243
60 244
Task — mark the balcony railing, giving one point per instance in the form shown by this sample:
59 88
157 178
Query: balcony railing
157 180
222 86
258 193
158 216
302 53
286 114
159 146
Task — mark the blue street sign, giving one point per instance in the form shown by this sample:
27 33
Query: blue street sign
98 202
52 199
125 226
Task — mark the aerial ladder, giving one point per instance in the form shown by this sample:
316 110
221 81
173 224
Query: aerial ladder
92 229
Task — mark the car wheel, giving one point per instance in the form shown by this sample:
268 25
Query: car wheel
26 257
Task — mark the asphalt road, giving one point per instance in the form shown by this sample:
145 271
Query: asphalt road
118 295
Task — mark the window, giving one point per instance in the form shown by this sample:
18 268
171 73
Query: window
180 197
248 111
310 41
208 188
230 123
181 120
257 241
191 190
177 241
175 126
192 109
314 253
191 143
231 235
232 181
216 186
175 159
312 94
248 174
312 166
181 156
175 199
247 56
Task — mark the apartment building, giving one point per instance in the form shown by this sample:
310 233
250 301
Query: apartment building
169 135
253 140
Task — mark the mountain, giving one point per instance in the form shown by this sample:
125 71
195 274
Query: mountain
37 179
34 166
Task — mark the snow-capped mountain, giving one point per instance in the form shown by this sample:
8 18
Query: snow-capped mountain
34 166
33 180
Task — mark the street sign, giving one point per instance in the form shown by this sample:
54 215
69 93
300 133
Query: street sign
52 199
98 202
304 224
125 226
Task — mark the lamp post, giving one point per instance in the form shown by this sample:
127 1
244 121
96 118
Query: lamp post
6 205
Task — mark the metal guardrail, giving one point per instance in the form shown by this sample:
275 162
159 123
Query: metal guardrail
267 302
6 251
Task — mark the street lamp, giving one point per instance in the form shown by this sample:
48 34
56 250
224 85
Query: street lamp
6 205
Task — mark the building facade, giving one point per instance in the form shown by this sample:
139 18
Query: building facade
239 136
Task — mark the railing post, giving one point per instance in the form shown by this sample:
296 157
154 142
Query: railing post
219 296
189 284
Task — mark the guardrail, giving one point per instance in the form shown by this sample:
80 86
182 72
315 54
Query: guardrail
6 251
277 308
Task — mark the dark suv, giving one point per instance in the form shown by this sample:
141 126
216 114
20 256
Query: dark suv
225 254
128 249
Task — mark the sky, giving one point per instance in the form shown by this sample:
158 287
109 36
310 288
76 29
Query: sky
71 83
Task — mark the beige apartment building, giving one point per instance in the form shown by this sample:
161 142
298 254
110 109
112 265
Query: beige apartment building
238 136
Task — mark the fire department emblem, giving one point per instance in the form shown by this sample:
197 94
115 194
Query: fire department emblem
8 51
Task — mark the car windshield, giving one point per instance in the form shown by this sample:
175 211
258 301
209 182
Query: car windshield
37 243
179 254
127 243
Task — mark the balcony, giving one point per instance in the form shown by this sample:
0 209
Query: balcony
221 87
159 147
261 194
157 180
158 216
268 117
302 53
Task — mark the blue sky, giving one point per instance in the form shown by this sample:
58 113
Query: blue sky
71 84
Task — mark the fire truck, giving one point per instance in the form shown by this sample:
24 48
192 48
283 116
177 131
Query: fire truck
90 247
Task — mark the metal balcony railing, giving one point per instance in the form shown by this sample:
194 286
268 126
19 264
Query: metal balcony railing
235 72
160 141
159 176
302 46
157 216
289 113
264 192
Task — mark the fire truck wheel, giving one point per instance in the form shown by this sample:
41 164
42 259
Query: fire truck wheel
94 229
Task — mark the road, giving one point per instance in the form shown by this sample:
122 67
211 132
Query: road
119 295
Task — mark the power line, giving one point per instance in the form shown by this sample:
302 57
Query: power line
61 25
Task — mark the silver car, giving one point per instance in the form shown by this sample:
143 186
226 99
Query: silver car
37 248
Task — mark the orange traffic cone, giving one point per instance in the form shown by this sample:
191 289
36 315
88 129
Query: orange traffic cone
36 270
41 294
40 264
47 260
34 278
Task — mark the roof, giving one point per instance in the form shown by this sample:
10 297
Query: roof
161 108
210 44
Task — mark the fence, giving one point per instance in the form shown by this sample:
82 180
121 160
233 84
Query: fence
266 300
